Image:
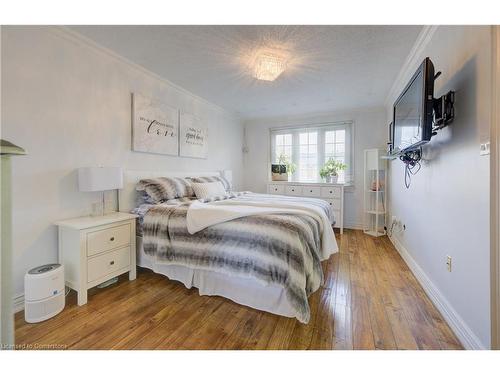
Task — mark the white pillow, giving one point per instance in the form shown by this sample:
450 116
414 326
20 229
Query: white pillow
208 189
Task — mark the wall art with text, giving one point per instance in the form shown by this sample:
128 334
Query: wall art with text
155 126
193 137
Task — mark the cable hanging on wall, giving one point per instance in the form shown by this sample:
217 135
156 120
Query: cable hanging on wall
411 160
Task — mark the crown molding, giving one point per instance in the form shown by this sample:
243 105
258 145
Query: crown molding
408 67
77 38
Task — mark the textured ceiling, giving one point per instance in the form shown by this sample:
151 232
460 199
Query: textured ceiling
331 68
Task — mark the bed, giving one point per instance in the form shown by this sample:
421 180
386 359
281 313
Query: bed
256 250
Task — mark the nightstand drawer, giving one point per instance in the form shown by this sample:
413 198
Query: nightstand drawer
107 239
107 263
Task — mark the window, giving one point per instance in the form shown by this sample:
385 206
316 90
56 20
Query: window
283 146
310 147
335 148
308 156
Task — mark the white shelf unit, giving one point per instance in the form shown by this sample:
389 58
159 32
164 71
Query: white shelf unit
375 183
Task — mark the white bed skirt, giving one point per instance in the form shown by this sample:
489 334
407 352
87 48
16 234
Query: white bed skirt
245 291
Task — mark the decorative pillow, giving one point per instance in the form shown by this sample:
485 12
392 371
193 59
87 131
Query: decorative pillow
164 188
222 180
208 189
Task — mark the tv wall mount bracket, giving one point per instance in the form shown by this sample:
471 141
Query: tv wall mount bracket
444 111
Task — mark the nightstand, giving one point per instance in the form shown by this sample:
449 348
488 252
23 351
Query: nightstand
95 249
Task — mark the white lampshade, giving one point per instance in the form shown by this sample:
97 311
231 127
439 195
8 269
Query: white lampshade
100 178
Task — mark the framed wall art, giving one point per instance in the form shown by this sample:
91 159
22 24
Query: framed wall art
193 137
155 126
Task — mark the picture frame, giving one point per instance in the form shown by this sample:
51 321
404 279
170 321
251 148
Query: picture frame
155 126
193 137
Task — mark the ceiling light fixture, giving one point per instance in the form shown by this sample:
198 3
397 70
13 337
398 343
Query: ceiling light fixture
268 65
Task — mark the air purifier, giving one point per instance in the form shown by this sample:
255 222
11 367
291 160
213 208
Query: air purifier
44 295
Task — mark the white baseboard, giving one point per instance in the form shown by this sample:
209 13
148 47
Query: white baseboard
358 226
19 303
468 339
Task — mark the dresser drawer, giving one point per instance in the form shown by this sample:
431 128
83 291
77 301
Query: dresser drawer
107 263
107 239
334 203
331 192
276 189
311 191
294 190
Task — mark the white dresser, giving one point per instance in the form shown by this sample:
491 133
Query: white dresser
332 193
96 249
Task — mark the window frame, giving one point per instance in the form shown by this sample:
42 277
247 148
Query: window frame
321 128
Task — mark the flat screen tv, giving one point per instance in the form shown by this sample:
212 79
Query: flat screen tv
413 110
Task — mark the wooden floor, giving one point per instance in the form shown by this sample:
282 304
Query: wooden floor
370 300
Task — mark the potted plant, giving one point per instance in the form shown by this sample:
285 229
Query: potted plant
284 169
330 170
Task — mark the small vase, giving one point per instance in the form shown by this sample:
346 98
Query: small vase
334 179
328 179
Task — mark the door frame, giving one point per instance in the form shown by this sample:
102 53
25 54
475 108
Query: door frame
495 190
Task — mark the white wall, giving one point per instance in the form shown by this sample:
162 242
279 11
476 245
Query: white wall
370 131
446 209
68 104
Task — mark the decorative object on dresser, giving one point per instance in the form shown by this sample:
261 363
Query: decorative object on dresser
96 249
375 181
193 137
332 193
100 179
155 126
284 170
330 170
278 172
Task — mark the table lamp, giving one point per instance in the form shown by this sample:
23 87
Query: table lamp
100 179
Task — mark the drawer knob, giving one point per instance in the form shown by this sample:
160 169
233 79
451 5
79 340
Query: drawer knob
331 192
310 191
112 262
112 239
